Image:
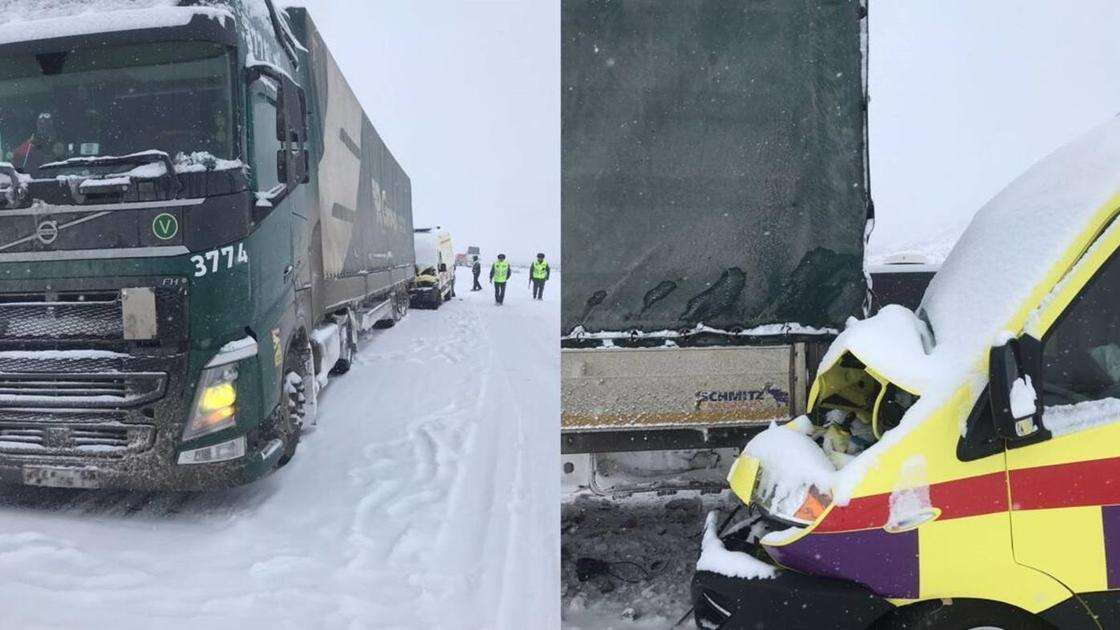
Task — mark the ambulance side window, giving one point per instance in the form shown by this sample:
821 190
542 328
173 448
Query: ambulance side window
1081 351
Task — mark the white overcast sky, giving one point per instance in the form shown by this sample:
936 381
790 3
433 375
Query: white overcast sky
967 94
964 96
467 96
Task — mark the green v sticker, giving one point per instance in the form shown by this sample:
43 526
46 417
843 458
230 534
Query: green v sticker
165 226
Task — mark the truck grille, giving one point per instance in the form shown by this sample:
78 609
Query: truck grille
96 440
107 390
69 315
64 317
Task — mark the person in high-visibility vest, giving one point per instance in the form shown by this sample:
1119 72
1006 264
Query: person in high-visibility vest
499 275
538 275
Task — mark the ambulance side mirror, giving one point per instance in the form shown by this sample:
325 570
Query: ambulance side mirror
1014 388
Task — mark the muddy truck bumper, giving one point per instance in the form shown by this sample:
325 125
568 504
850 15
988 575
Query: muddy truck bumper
94 389
95 419
790 601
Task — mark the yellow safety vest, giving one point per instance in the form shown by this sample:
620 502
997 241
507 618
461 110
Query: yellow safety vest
501 271
539 269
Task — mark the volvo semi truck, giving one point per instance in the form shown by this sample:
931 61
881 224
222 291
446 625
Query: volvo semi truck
715 210
196 221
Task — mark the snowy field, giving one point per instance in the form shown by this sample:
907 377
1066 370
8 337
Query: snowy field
425 498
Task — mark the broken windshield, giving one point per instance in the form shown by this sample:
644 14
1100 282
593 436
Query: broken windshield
174 97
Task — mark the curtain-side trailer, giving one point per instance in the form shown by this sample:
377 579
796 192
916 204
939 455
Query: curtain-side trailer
715 209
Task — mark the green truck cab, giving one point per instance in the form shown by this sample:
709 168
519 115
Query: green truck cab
197 220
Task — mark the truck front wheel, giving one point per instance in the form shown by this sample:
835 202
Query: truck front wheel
298 399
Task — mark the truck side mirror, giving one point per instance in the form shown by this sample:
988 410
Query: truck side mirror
1014 385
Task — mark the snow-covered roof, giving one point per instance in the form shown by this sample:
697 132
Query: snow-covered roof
22 21
1017 238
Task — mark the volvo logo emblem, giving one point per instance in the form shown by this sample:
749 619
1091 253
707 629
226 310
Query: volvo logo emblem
47 232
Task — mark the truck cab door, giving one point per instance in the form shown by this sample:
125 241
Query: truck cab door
1065 489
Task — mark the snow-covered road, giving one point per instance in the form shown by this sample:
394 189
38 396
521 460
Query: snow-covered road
425 498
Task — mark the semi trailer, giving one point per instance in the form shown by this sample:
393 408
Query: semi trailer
197 219
715 211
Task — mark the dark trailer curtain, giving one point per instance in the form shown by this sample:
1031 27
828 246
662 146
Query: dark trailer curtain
713 164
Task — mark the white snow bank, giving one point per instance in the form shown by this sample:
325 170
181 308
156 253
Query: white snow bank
714 557
789 463
893 342
22 21
1023 397
930 249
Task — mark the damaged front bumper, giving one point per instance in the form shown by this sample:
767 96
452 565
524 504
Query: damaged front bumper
788 600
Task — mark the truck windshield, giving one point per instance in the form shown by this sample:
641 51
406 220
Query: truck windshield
174 97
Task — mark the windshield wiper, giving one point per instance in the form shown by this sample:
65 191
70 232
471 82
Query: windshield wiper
133 159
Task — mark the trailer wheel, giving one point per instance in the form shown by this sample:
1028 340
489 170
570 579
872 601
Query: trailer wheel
349 349
401 302
961 614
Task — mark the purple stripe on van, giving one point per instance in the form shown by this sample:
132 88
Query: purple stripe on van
885 563
1110 520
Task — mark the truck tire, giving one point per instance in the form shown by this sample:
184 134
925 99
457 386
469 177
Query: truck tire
437 299
349 350
960 614
400 309
287 424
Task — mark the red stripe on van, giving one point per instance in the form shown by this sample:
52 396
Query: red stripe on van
1076 484
959 498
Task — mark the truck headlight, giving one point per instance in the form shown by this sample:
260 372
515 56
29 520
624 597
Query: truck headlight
215 401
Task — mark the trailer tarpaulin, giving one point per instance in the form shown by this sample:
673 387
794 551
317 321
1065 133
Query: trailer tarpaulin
713 157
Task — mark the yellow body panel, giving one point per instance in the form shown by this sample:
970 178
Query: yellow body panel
1067 543
971 557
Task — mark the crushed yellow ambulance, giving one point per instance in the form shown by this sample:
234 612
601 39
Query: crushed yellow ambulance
970 476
